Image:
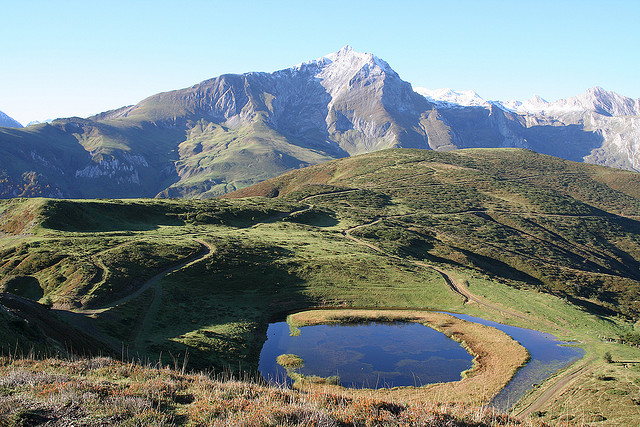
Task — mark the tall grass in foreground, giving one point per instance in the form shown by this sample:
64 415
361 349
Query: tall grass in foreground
102 391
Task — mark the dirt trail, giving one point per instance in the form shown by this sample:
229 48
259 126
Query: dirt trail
455 287
347 233
561 383
203 253
81 319
156 282
282 216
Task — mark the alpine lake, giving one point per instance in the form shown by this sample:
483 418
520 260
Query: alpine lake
376 355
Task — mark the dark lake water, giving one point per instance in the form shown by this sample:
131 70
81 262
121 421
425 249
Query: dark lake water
374 355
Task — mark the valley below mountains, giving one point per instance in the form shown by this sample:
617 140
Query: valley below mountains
505 234
232 131
146 251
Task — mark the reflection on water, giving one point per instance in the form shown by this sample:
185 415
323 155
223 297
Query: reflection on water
374 355
379 355
548 355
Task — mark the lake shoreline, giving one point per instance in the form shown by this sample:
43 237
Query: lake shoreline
497 357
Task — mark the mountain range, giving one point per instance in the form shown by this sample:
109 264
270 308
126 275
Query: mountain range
235 130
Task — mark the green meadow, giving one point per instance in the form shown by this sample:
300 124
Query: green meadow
543 243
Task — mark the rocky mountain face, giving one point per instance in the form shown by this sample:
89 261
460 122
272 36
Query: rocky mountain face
235 130
598 126
7 121
342 104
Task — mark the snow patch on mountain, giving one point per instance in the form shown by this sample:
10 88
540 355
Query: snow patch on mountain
596 100
38 122
534 105
446 97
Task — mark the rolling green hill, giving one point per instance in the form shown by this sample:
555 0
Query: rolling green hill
506 234
564 227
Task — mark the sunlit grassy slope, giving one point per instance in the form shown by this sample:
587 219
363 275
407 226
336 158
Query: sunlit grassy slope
563 227
556 240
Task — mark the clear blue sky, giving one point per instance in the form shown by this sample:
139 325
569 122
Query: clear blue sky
66 57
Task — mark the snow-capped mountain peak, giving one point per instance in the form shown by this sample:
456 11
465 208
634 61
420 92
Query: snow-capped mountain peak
595 99
603 102
336 70
535 104
537 100
451 98
359 59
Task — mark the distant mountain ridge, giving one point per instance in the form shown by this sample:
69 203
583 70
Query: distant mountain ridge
595 99
7 121
600 126
235 130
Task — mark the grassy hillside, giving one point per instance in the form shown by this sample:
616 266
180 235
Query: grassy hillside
199 280
566 228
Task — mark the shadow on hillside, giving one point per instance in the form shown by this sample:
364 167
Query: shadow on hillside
627 264
479 127
499 268
302 117
35 327
116 215
24 286
219 309
598 310
315 218
569 142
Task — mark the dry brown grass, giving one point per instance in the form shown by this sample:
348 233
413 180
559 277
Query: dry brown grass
497 356
101 391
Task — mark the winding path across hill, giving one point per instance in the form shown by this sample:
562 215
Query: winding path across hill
204 252
81 320
455 287
559 384
156 282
